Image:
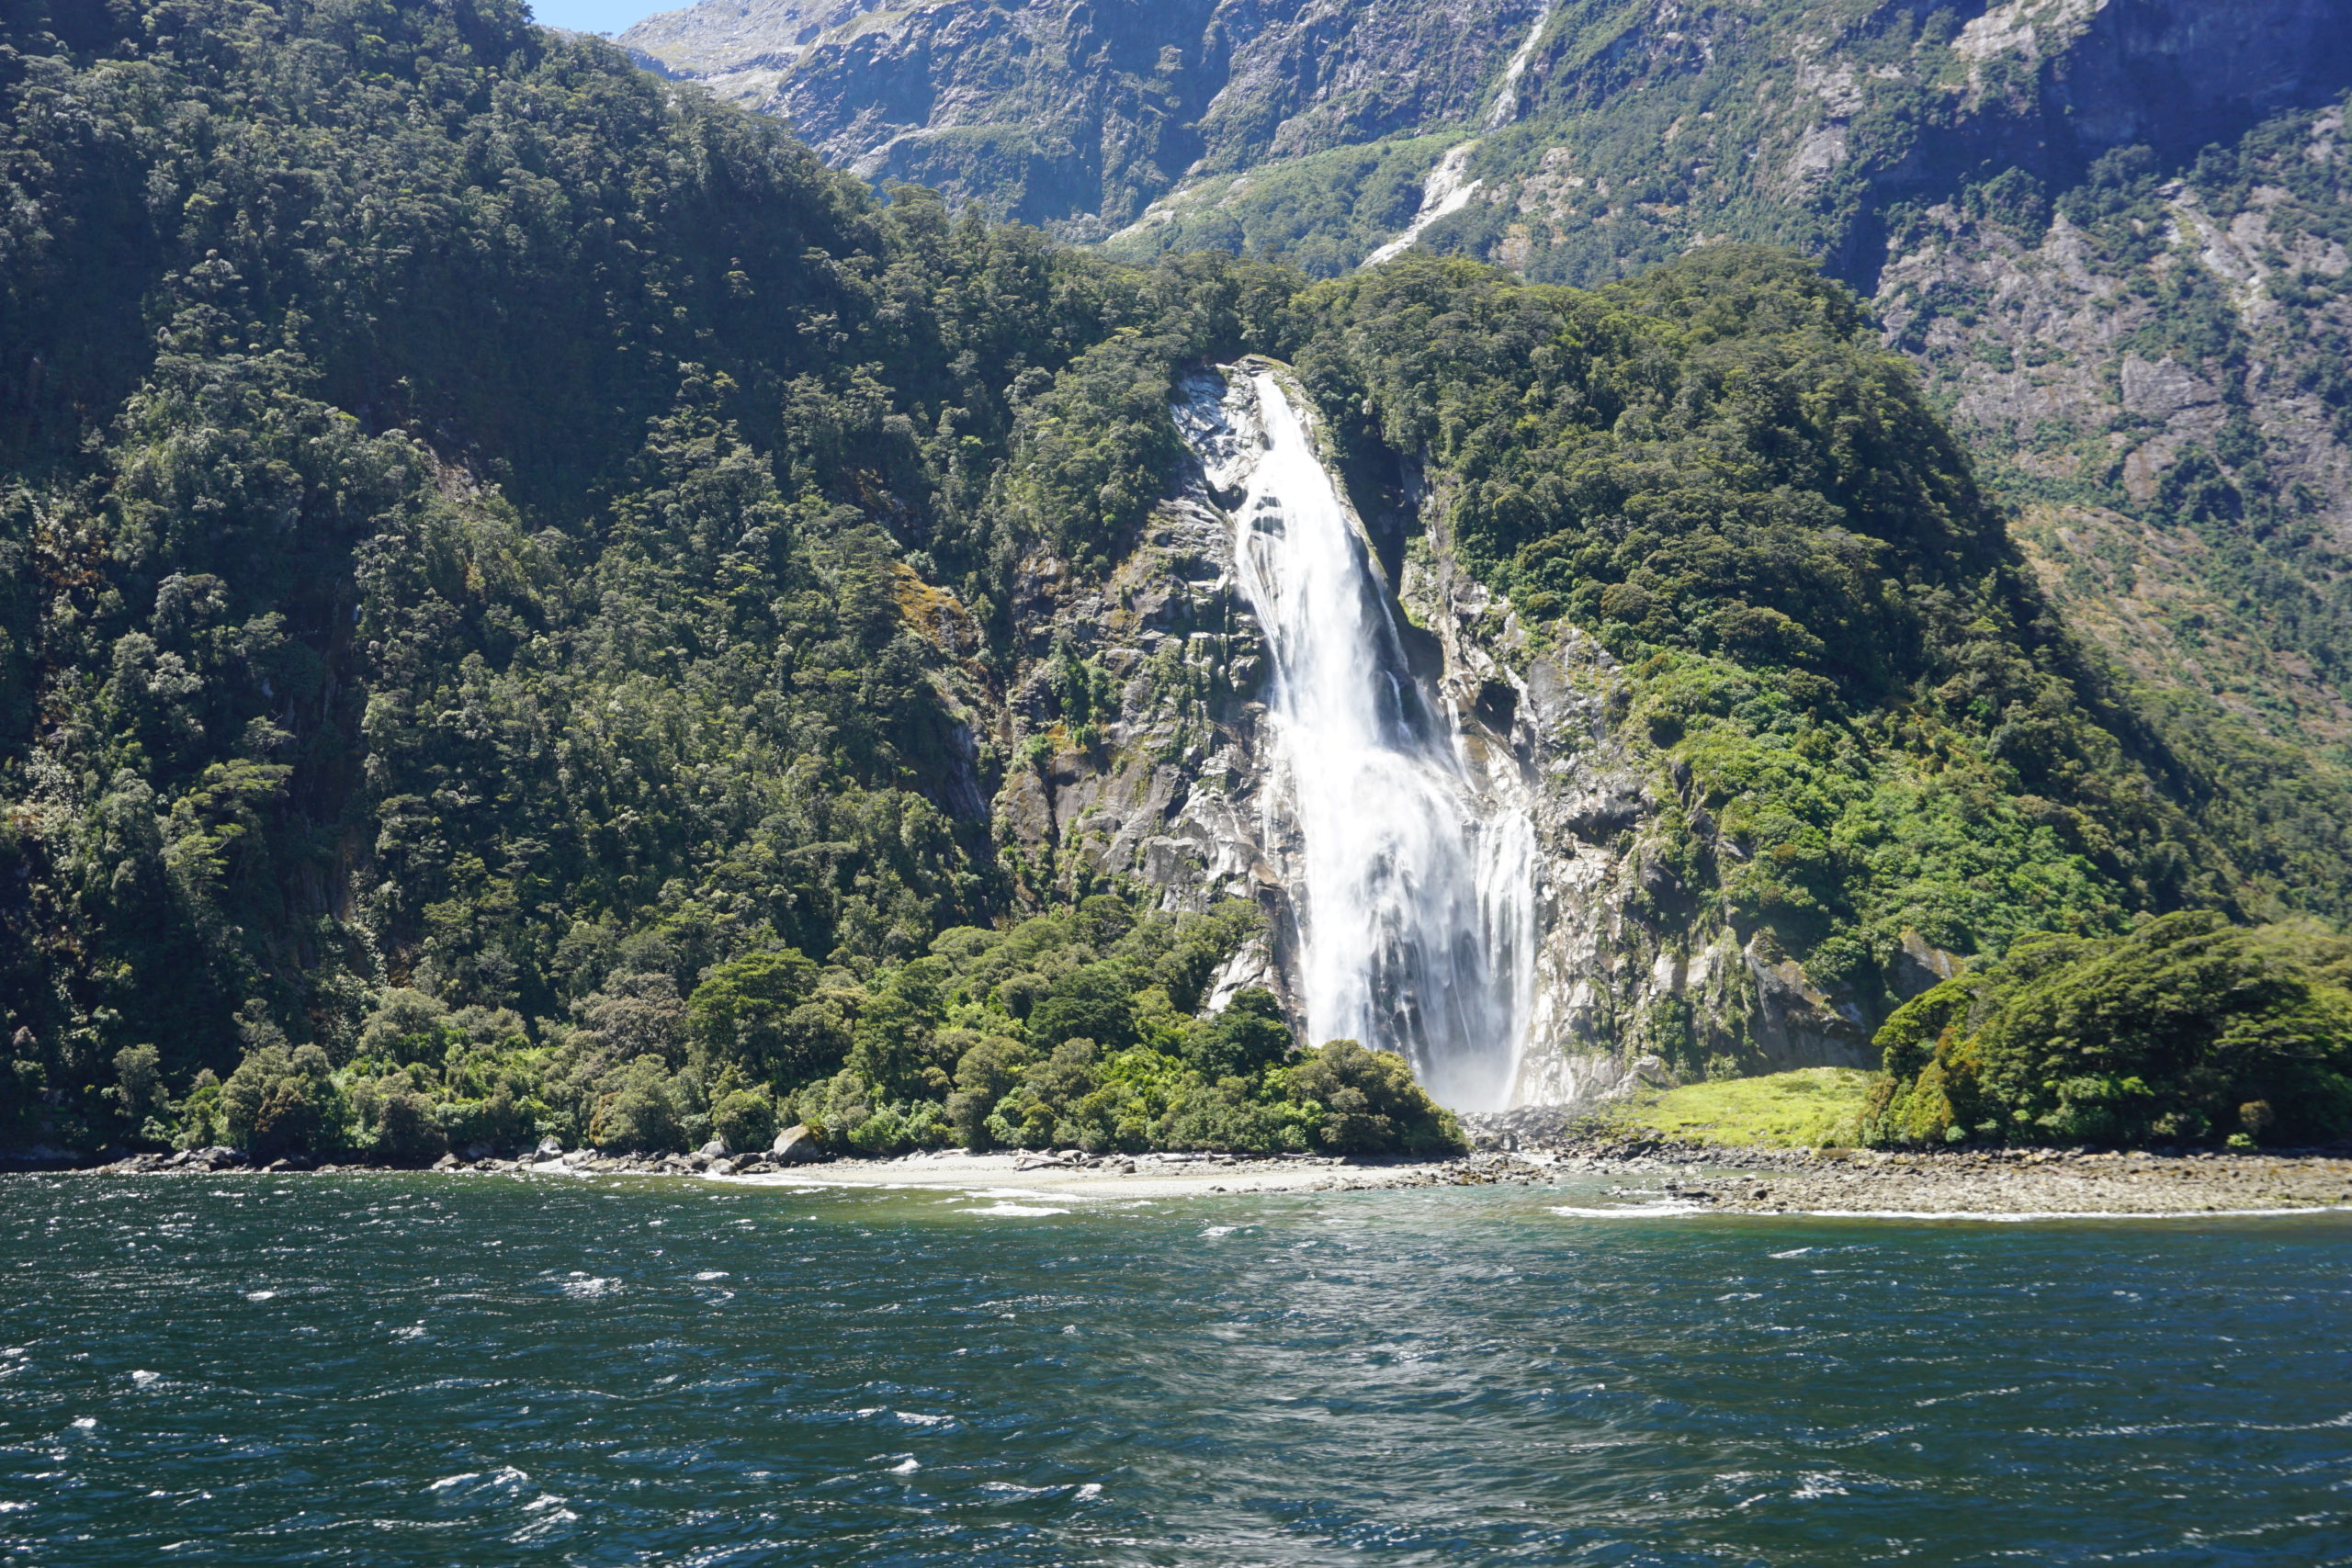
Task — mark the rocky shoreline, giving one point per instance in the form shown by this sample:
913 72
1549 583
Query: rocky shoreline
1987 1182
1656 1176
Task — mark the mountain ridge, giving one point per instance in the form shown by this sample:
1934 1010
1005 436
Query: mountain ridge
2111 232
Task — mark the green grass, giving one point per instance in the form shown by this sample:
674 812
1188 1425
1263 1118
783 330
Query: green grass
1813 1106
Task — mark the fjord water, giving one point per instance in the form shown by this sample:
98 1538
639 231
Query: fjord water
401 1370
1418 901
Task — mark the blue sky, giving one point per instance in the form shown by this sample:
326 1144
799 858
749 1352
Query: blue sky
599 16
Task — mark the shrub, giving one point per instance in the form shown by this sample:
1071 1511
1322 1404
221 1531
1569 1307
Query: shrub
139 1087
281 1102
406 1133
1231 1117
498 1121
2189 1029
744 1119
1371 1104
832 1109
898 1127
407 1026
638 1110
1033 1115
1247 1037
983 1074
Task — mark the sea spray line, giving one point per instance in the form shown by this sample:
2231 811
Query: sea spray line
1416 903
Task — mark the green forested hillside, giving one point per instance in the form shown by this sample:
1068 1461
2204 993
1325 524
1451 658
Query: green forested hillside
512 572
2113 235
464 505
2186 1030
1875 720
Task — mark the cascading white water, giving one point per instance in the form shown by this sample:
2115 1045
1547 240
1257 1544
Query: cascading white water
1416 906
1445 192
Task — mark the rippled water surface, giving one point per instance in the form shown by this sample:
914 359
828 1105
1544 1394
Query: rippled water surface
493 1370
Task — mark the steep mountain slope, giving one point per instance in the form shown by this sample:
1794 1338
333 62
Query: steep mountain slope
2111 230
1080 114
532 606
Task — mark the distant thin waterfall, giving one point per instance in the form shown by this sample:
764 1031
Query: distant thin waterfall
1446 192
1505 108
1416 905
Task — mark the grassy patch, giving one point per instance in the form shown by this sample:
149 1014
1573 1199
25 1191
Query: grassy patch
1813 1106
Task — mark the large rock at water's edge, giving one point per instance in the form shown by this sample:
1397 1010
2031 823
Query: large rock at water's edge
797 1146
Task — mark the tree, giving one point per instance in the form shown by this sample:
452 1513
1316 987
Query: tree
639 1110
1094 1001
2186 1030
744 1119
1247 1038
741 1014
1371 1104
282 1101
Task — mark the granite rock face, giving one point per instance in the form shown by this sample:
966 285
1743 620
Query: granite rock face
1079 113
1181 791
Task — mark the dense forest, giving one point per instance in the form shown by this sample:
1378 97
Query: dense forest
511 585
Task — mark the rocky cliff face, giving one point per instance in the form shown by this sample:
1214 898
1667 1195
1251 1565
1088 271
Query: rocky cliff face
1636 973
2152 365
1079 113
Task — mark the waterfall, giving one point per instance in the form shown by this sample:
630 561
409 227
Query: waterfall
1444 192
1415 896
1505 108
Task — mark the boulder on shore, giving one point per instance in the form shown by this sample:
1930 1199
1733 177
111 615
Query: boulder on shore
797 1146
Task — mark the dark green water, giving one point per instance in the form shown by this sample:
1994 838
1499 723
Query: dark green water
412 1370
